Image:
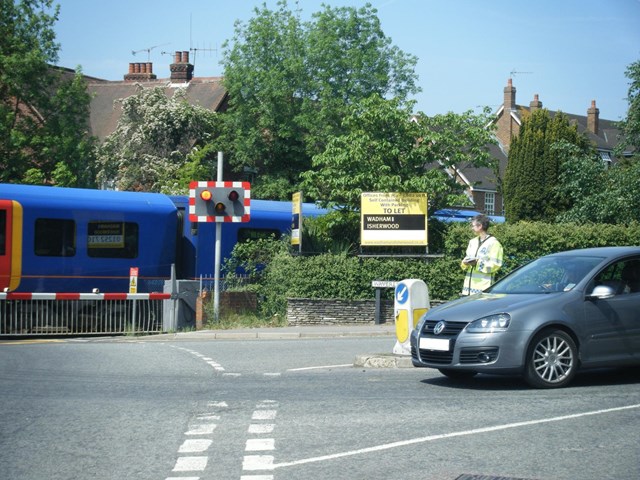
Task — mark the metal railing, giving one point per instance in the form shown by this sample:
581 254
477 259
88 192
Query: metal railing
80 314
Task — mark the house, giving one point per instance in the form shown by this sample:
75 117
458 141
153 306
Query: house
105 110
482 184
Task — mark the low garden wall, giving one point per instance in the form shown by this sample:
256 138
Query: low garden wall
307 311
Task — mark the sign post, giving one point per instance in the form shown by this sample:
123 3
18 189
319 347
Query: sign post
296 220
219 202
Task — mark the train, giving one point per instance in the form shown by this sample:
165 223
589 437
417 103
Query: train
55 239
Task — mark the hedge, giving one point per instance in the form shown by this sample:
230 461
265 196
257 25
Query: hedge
349 277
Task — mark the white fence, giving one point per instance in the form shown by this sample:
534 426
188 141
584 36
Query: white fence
82 313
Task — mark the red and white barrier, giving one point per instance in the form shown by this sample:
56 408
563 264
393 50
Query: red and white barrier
84 296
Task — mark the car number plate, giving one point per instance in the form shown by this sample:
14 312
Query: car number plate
441 344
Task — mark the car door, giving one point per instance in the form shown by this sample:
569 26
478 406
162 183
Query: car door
612 326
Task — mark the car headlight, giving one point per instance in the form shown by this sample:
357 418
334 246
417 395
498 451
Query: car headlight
492 323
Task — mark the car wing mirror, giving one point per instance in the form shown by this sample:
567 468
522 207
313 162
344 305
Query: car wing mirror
602 292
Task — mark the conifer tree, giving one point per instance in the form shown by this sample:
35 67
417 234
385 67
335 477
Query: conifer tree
533 167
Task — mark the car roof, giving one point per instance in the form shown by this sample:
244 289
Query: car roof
602 251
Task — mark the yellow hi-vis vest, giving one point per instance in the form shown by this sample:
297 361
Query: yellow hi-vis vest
479 277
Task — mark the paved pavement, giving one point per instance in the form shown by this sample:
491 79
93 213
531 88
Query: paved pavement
372 360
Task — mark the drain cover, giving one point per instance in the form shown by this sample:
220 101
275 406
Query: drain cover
466 476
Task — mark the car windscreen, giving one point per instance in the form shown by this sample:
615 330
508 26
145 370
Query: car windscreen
547 274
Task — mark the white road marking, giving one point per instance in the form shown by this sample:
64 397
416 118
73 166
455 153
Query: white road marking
204 429
320 367
182 478
257 462
217 404
261 428
190 464
256 477
260 444
206 416
447 435
216 366
273 374
264 415
195 446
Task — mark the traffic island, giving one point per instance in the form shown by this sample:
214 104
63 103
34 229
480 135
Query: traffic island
383 360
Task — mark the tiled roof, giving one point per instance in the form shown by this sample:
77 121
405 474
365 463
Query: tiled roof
207 92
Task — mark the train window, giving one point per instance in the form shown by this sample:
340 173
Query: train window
246 234
55 237
112 239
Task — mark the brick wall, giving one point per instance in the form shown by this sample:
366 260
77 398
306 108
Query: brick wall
238 302
306 311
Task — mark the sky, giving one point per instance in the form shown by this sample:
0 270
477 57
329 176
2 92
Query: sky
568 52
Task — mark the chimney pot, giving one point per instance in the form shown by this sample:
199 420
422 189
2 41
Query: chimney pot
535 103
185 57
177 57
131 68
593 117
509 96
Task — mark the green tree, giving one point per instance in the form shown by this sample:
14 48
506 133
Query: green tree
154 147
43 110
383 150
630 126
291 82
533 168
597 193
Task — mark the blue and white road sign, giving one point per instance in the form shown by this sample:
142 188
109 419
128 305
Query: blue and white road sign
402 293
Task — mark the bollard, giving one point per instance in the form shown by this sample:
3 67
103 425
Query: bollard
411 301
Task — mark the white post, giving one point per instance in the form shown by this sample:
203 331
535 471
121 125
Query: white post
216 274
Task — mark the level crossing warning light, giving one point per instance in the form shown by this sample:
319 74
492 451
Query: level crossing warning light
219 201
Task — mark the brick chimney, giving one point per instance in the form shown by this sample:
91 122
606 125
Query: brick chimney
593 115
535 104
140 72
181 69
509 96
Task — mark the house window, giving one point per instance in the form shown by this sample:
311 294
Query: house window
606 158
490 203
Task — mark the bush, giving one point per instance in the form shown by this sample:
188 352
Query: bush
346 277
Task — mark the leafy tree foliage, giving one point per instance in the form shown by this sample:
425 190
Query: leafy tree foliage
533 169
630 126
597 193
43 111
382 150
291 82
154 145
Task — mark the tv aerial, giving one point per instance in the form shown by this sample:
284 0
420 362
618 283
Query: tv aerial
148 50
513 72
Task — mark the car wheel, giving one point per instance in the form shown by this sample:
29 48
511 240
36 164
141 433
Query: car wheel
457 374
552 360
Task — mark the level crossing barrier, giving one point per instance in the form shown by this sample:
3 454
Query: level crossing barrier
24 314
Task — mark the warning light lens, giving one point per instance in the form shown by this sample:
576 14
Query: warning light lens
234 195
220 208
205 195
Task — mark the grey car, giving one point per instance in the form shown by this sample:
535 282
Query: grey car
572 310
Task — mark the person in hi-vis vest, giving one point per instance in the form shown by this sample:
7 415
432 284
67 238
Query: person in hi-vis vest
482 259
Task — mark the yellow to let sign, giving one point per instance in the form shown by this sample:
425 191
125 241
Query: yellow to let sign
393 219
296 218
